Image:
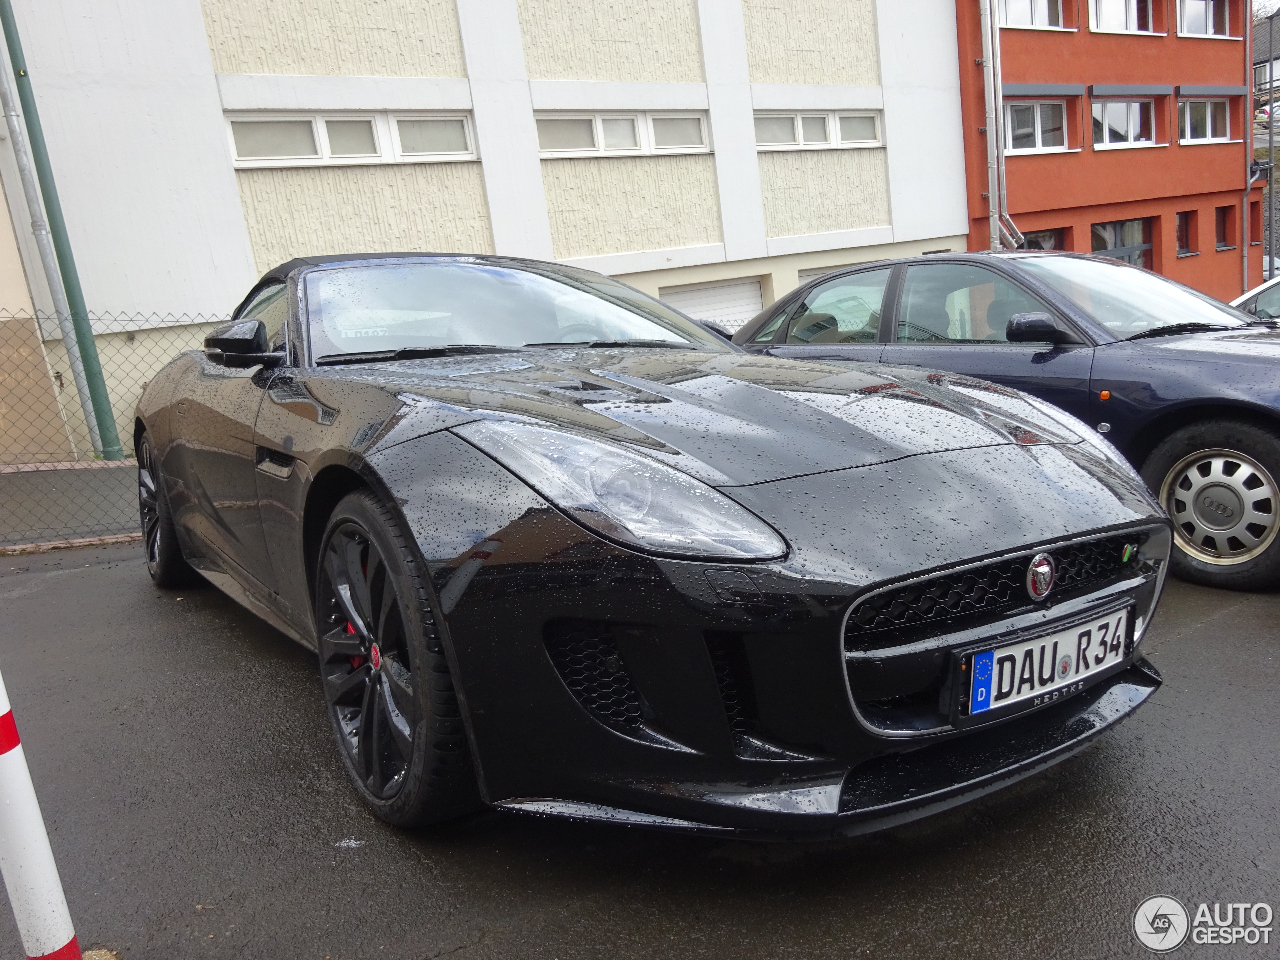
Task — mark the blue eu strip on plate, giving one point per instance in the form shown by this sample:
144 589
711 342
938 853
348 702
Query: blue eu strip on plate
983 677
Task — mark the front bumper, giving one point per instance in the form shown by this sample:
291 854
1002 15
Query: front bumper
602 684
895 788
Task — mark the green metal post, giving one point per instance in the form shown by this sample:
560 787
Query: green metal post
61 243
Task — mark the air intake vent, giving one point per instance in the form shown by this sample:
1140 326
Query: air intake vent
734 678
588 661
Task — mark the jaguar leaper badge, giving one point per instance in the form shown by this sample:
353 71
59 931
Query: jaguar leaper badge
1040 575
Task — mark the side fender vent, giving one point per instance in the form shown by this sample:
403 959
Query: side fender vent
738 693
733 675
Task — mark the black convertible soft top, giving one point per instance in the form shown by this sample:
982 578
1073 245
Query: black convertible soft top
282 271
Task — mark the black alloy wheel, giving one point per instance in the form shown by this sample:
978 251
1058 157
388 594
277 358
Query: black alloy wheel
386 679
165 563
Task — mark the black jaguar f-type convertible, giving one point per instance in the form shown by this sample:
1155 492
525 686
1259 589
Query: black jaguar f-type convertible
561 550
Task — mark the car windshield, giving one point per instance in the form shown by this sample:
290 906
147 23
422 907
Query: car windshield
1127 300
388 306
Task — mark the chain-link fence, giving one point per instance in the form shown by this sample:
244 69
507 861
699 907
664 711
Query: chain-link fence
54 487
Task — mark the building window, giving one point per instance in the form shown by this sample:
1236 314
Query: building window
1123 16
1045 239
309 140
1201 121
817 131
1035 127
1224 227
1031 13
1186 228
1205 18
1125 240
1123 123
621 134
1255 222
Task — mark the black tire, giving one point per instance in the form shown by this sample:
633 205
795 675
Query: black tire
387 685
1218 482
165 563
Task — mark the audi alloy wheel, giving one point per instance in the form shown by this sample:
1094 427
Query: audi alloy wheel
1217 481
1223 506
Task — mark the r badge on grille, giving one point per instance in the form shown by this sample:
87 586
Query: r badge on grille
1040 575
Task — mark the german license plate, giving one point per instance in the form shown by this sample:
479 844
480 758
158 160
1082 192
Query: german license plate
1046 668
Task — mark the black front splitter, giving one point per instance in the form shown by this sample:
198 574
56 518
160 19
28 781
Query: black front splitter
895 788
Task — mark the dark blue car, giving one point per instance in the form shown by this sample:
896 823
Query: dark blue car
1187 387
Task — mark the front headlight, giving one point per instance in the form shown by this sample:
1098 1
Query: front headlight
626 497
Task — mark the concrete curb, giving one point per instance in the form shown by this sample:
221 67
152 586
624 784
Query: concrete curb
21 548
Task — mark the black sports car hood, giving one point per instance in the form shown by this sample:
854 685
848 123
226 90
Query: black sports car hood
730 419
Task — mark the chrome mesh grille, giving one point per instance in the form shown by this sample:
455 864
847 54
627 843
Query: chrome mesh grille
985 591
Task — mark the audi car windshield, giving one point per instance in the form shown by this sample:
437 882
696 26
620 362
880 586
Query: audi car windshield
1128 301
393 307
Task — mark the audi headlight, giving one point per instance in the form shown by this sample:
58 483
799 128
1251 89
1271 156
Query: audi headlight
626 497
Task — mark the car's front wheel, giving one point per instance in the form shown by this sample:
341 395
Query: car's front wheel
165 563
1218 482
386 680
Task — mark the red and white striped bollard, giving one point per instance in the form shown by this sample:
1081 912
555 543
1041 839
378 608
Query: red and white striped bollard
26 859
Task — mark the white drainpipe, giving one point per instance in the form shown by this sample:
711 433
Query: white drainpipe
1003 232
1009 233
993 129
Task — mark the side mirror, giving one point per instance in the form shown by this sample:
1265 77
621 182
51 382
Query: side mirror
718 331
1035 328
242 343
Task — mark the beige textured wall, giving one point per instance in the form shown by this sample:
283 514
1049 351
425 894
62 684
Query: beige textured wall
817 191
641 40
812 41
31 421
129 360
349 38
626 204
380 208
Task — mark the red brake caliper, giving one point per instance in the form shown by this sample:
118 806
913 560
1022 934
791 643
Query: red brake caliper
356 662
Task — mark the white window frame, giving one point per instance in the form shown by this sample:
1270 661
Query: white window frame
644 132
1131 144
401 157
1038 148
1182 32
1129 4
385 133
833 130
1185 105
1003 16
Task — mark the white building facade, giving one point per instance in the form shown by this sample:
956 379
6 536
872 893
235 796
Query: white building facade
714 152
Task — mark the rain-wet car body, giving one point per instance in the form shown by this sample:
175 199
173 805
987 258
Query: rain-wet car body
819 686
1185 386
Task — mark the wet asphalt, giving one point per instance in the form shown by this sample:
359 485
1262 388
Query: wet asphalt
197 809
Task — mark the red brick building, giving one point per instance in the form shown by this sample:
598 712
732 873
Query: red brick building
1126 129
